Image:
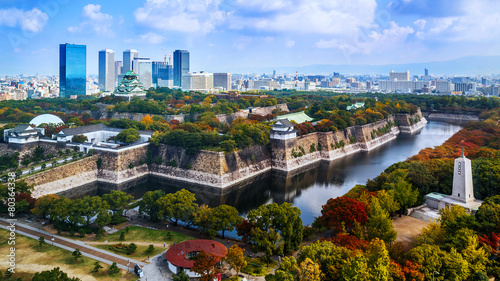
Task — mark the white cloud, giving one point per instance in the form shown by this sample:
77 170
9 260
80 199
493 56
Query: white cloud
33 20
369 42
95 20
420 23
289 43
306 16
181 15
152 38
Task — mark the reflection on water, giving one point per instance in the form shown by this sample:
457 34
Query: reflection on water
307 190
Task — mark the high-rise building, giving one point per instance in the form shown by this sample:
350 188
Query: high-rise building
166 77
72 70
107 70
399 76
443 87
128 58
426 72
156 66
202 81
143 67
222 80
118 71
181 66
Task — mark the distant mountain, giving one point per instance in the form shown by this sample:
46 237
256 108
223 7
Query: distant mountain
473 65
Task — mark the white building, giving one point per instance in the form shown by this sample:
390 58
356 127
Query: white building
107 70
22 134
444 87
201 81
399 76
283 129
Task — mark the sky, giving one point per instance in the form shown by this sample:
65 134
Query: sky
227 36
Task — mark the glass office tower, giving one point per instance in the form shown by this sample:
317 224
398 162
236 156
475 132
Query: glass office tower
181 65
72 70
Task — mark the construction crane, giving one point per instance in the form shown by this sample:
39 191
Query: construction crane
164 52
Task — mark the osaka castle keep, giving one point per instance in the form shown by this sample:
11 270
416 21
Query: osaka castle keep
462 193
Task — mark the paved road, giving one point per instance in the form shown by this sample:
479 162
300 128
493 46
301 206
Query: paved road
71 245
39 167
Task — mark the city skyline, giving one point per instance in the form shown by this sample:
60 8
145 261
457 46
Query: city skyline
224 35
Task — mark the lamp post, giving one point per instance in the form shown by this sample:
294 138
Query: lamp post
433 274
128 264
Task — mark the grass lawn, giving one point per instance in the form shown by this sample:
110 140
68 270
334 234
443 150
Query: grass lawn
141 234
257 267
31 258
139 254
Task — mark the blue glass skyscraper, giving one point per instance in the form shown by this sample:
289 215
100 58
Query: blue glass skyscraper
181 65
72 70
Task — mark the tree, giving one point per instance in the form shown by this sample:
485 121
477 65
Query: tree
77 254
378 261
355 269
41 241
379 224
430 257
387 201
342 211
329 256
128 136
113 269
177 206
149 204
79 138
235 258
284 219
91 206
181 276
204 219
97 266
268 241
225 218
53 275
43 205
244 229
404 193
131 248
309 271
488 215
204 265
118 201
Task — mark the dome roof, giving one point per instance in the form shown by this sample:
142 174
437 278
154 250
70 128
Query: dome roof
46 118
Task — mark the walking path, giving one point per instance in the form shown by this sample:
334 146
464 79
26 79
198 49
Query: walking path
71 245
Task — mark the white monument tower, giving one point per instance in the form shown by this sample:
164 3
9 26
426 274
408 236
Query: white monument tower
463 189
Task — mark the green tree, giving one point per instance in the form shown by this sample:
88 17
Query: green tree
284 218
77 254
54 274
431 259
387 201
131 248
41 241
379 224
455 267
149 204
43 205
225 218
97 266
128 136
355 269
113 269
378 261
91 206
177 206
488 215
118 201
204 219
404 193
268 241
330 257
79 138
181 277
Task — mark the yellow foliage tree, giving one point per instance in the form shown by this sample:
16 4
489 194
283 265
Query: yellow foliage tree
309 271
147 120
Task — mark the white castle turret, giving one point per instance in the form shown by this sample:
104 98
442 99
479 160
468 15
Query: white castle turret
463 189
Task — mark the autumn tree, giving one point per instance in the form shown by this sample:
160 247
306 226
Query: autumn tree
205 265
43 205
204 220
309 271
235 258
342 211
177 206
387 201
329 257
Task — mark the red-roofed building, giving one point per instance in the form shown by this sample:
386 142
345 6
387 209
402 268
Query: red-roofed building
180 256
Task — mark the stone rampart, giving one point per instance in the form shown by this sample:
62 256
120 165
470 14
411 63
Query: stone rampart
451 118
64 177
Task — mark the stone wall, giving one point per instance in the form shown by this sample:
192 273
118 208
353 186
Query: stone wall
57 179
451 118
305 150
209 167
28 148
224 118
116 164
405 124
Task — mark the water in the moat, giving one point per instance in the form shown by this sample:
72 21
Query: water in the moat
310 189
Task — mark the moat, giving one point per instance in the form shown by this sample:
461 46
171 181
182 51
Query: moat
307 190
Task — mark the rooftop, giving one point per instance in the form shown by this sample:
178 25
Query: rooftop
297 117
176 254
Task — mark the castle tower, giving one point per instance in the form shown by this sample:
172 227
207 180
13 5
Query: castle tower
463 189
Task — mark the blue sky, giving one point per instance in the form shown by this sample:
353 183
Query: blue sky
240 34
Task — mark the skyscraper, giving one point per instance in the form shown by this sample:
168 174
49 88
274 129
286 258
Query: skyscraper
107 70
181 66
128 58
143 67
118 71
72 70
223 80
426 72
